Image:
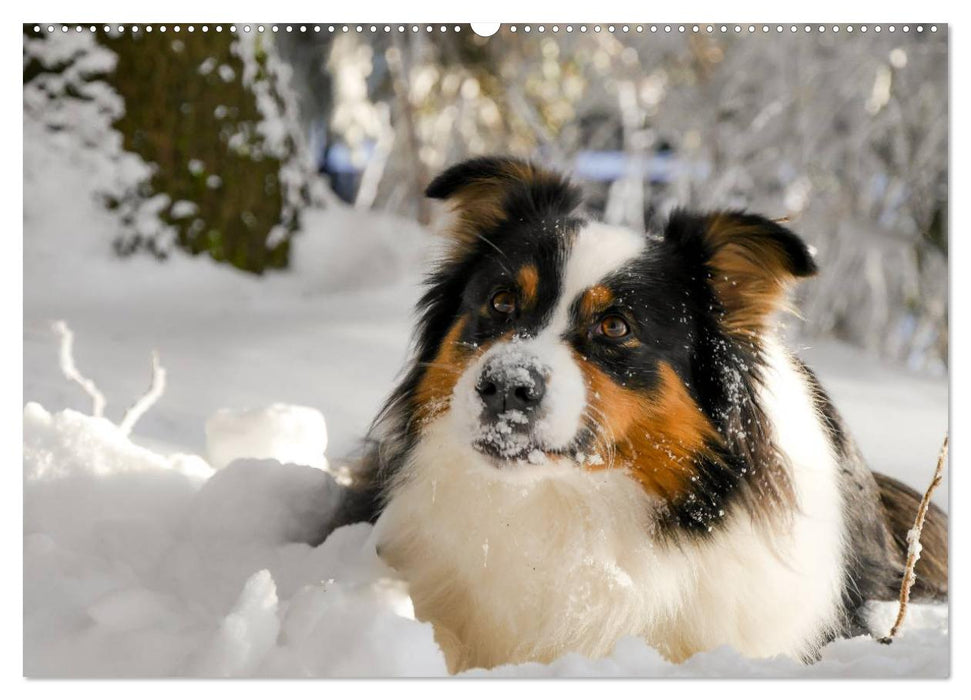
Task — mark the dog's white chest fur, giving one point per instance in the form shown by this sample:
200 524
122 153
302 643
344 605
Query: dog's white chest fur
552 559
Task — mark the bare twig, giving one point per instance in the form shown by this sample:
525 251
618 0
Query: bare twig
70 370
914 547
148 399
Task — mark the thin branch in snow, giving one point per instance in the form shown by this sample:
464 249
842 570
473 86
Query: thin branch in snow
148 399
70 370
913 549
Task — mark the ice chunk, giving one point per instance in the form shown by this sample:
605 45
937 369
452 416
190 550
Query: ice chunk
246 635
286 433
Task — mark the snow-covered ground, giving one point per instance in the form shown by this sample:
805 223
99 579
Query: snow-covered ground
141 559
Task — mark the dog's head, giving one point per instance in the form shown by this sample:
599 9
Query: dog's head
545 337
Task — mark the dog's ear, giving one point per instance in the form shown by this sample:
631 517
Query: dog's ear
750 261
483 192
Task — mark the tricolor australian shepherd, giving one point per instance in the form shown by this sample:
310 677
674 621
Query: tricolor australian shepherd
601 435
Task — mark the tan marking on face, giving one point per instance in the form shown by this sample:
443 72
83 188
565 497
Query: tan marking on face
433 394
595 301
657 435
434 391
528 280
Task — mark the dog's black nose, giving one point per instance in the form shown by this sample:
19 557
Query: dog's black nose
504 388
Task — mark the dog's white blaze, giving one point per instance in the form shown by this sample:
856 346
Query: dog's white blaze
597 251
573 565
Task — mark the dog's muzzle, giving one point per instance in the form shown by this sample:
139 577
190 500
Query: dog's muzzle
504 388
511 387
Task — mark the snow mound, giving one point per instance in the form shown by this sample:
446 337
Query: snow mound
286 433
140 565
265 501
85 481
247 634
921 652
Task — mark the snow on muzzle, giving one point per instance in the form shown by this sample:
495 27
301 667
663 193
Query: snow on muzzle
521 399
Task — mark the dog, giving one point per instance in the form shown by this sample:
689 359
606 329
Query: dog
601 434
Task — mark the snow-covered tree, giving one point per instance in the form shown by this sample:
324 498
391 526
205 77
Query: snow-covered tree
211 121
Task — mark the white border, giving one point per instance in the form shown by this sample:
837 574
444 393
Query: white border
829 11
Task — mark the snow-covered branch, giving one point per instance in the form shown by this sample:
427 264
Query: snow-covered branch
148 399
70 370
155 389
914 547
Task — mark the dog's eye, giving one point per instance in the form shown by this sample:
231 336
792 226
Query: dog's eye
613 327
504 302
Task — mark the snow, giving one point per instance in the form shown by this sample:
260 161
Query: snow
127 552
919 654
191 547
247 634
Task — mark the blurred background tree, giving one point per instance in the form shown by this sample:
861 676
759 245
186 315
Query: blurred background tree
845 135
213 117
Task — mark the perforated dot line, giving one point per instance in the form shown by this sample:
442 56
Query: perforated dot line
524 28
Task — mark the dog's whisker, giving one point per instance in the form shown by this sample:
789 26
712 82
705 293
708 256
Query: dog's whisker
603 437
439 365
493 245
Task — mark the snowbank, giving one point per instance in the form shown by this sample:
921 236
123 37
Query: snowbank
141 565
137 564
